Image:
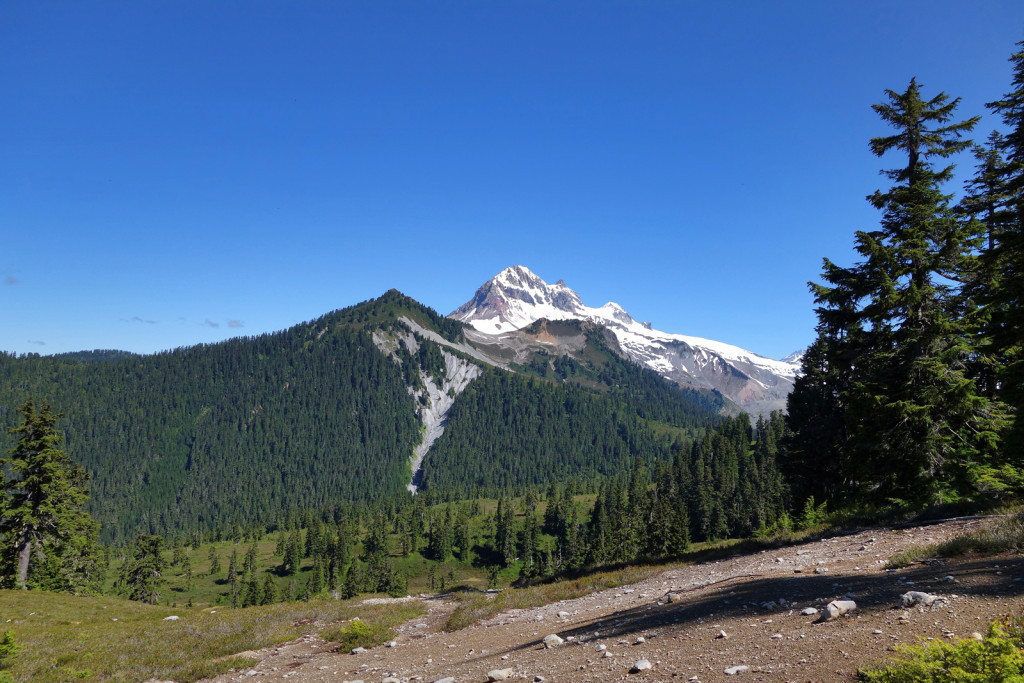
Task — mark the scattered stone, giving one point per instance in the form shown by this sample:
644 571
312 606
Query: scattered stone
977 636
820 570
639 641
837 608
449 679
552 641
673 598
808 611
392 643
776 636
722 635
499 674
642 665
601 648
173 617
391 679
733 670
538 679
563 615
607 654
358 650
912 598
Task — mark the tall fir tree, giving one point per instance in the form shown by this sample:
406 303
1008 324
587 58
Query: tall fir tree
50 540
904 422
143 574
1006 257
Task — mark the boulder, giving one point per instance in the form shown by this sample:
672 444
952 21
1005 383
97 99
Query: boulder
552 641
642 665
837 608
912 598
733 670
499 674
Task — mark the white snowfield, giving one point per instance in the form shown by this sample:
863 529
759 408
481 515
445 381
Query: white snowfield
516 297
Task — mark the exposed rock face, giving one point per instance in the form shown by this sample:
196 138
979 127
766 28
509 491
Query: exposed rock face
435 399
516 298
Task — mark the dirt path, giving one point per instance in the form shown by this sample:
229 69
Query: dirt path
756 600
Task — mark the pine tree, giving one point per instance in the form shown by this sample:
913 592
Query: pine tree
51 540
214 558
292 554
142 575
899 419
187 572
270 593
1005 257
249 565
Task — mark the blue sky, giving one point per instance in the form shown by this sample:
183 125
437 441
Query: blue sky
175 172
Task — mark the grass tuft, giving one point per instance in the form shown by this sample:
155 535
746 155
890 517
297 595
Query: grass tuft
1006 535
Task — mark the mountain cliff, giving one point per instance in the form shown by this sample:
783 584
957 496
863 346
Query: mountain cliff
516 297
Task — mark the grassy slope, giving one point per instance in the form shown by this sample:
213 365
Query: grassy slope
68 638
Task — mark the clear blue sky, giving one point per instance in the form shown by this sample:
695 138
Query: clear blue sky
175 172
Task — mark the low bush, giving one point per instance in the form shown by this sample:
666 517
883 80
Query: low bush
996 657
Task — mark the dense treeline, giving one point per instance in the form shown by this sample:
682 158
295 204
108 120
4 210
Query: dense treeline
912 393
218 435
212 435
507 431
726 485
639 389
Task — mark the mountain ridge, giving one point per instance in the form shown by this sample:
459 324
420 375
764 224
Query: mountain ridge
517 297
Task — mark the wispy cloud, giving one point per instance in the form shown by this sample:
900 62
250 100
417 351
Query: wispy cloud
138 319
11 280
210 323
236 323
36 342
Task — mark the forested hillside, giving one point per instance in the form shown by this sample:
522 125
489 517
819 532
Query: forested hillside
253 428
229 432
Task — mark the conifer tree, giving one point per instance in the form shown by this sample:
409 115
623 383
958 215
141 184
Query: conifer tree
51 541
1005 257
214 558
187 571
142 575
270 592
899 419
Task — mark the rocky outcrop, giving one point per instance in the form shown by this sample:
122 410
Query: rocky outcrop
437 395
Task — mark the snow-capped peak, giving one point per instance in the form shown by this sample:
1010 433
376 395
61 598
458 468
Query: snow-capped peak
516 297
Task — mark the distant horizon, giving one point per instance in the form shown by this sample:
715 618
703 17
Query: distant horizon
181 173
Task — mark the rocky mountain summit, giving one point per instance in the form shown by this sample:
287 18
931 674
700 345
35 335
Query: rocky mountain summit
516 297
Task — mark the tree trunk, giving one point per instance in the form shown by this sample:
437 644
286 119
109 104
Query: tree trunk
24 555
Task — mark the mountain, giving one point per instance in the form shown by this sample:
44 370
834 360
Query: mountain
516 297
350 409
